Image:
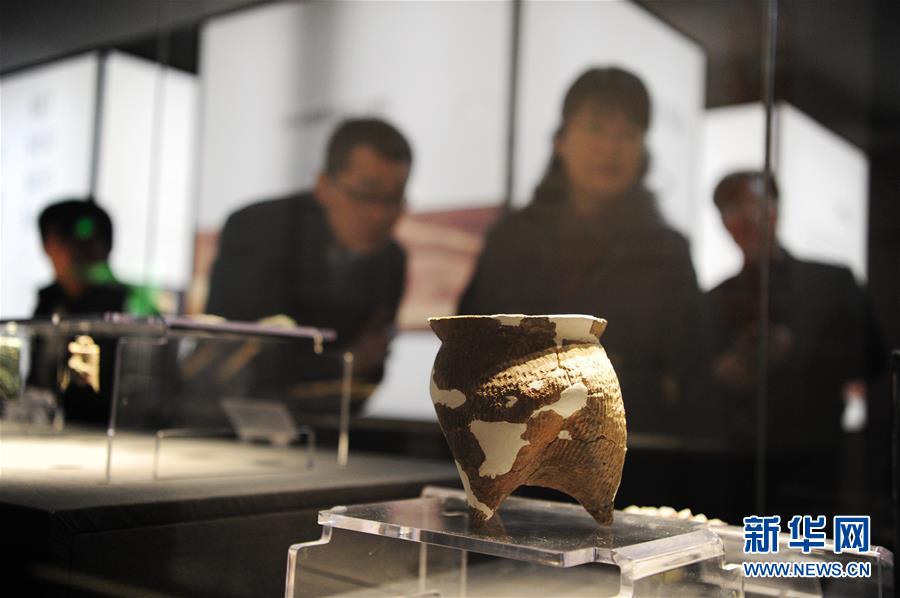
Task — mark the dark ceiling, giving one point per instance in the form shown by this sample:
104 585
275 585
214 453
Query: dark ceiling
838 60
35 31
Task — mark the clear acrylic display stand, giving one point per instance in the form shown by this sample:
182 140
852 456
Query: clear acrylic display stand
167 376
428 547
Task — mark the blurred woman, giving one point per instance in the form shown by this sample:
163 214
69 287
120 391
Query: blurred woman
592 241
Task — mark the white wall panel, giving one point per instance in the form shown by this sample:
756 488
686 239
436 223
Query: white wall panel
825 183
278 78
46 140
146 169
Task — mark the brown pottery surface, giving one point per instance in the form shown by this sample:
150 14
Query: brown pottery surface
530 400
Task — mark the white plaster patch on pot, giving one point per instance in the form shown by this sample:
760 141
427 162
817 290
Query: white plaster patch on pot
510 401
470 496
570 400
509 319
564 435
574 328
500 442
450 398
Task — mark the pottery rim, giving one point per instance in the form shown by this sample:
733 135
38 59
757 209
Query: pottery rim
516 319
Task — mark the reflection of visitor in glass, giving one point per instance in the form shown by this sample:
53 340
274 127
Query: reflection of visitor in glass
592 241
822 343
326 258
77 237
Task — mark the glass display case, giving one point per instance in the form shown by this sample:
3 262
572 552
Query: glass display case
748 271
427 547
120 398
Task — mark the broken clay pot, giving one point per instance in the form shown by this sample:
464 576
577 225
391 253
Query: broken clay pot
530 400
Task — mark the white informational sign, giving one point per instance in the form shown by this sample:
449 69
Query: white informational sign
823 184
276 79
147 168
46 143
560 40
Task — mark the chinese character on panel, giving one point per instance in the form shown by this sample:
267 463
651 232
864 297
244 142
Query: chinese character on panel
761 534
807 532
851 532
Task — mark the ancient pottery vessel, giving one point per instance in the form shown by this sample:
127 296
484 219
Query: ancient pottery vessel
530 400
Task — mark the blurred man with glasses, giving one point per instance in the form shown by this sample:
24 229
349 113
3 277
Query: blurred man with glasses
326 258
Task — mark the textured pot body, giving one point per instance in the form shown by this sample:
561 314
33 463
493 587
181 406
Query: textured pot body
530 400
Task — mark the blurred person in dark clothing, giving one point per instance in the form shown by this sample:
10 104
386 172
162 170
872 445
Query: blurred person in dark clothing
77 236
326 257
822 348
592 241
